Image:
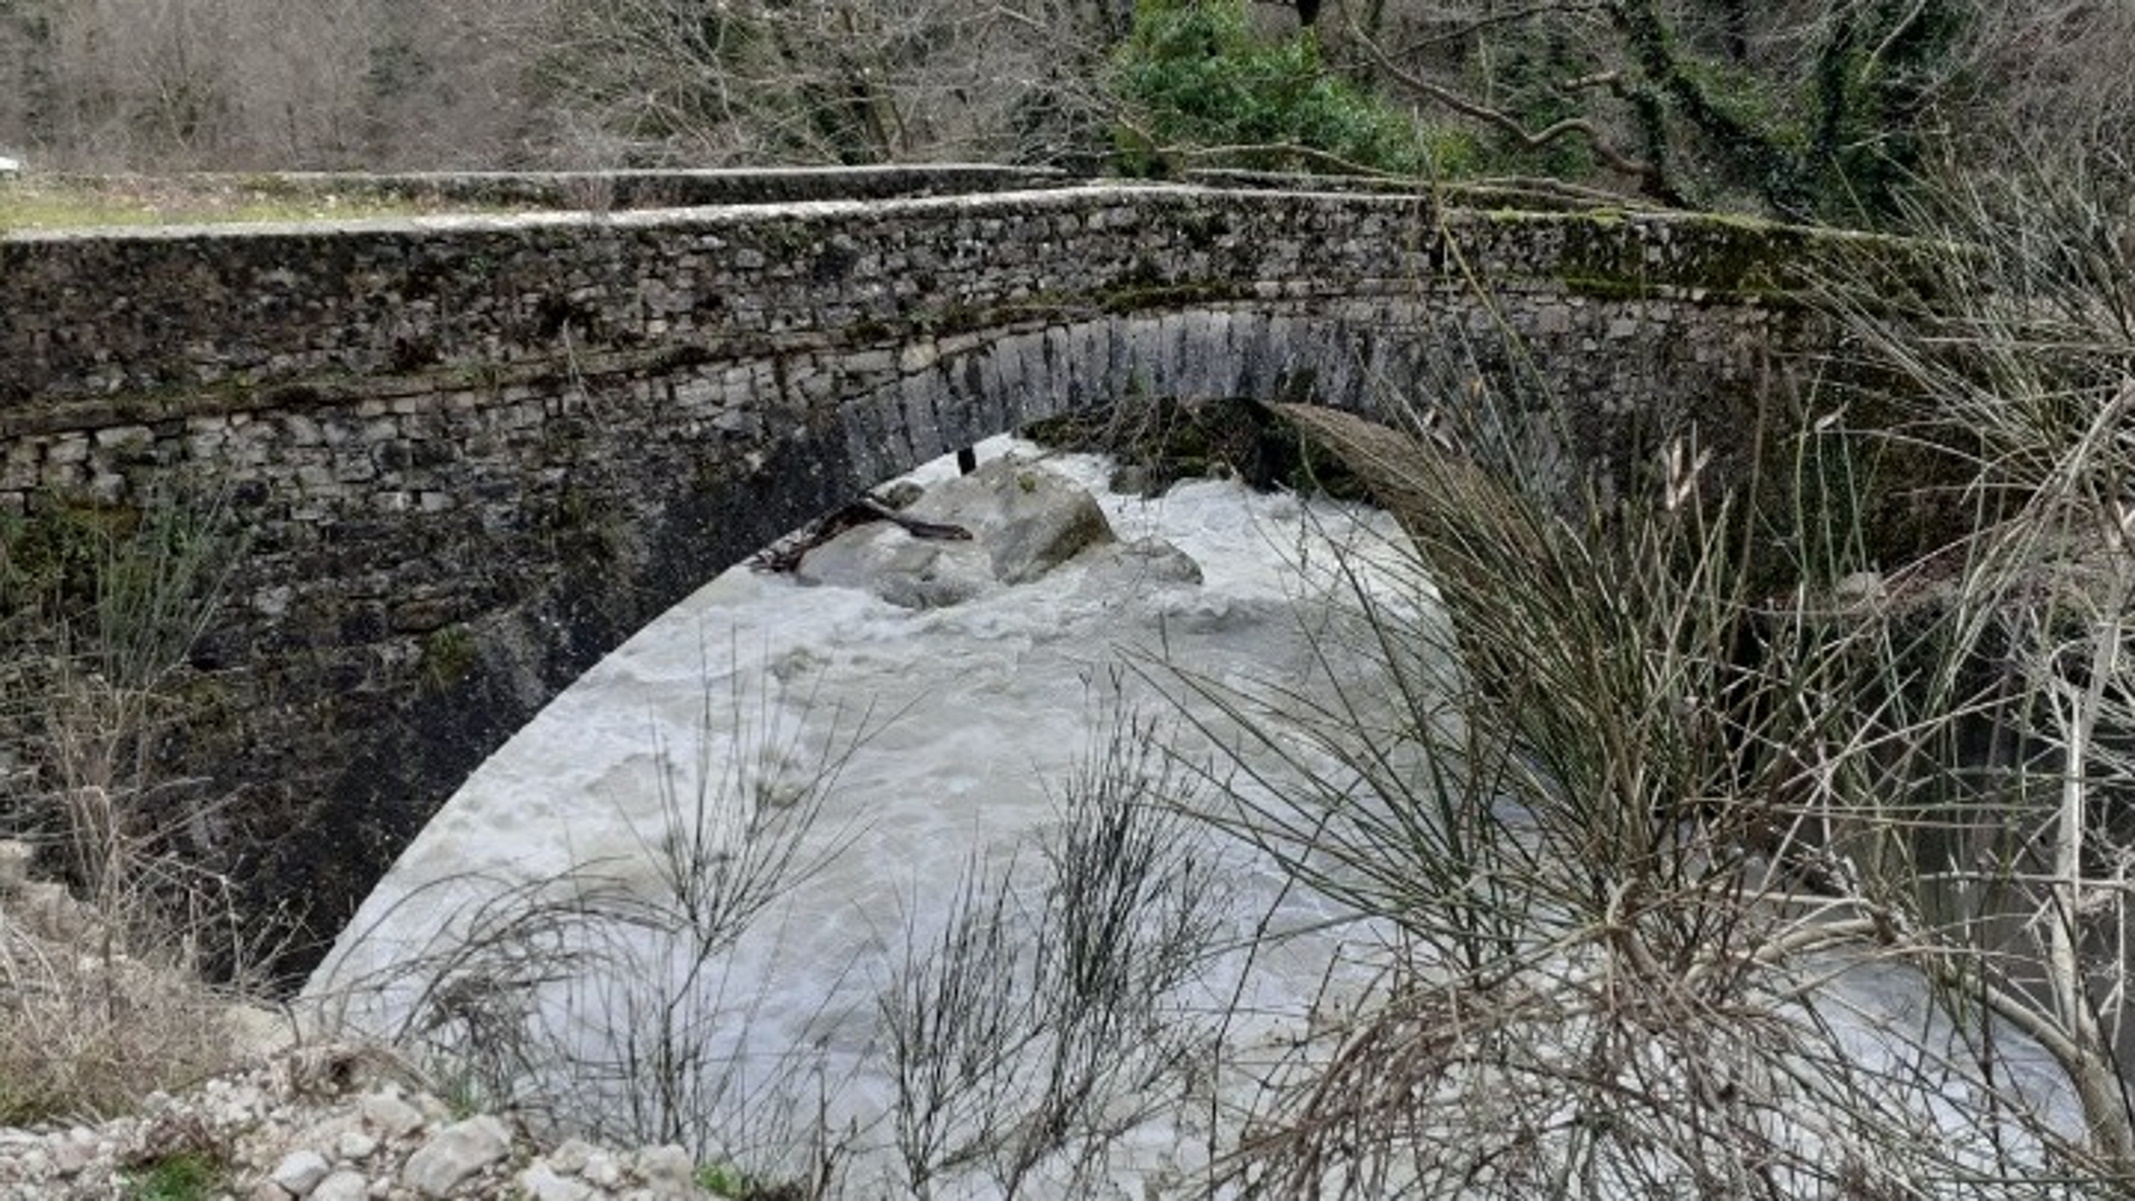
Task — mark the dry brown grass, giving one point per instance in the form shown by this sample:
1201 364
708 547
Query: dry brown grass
101 997
36 202
89 1023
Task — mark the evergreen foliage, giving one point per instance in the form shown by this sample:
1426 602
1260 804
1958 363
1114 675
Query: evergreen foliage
1844 150
1194 84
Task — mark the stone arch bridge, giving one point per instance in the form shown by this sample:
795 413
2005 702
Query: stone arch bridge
469 455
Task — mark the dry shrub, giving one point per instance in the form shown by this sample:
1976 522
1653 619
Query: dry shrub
1702 890
101 1000
90 1024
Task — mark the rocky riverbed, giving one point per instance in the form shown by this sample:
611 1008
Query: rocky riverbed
331 1123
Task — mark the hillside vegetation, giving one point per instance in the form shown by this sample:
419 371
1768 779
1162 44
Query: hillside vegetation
1807 108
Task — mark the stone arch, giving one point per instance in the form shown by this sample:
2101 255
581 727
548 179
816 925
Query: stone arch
710 504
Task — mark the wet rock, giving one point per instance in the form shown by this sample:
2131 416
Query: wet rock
914 573
1023 521
901 494
1138 566
1030 520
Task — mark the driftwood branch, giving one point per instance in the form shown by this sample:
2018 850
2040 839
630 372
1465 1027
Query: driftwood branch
786 553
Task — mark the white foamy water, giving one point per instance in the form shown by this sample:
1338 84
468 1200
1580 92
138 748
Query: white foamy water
961 725
973 716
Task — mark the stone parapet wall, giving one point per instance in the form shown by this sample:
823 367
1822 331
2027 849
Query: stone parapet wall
141 314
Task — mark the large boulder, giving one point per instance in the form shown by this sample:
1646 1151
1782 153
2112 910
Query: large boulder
1023 520
1028 519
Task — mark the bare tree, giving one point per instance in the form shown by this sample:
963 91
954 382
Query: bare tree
248 84
2051 76
767 81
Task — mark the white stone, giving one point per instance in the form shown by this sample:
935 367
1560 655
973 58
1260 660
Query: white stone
455 1153
668 1170
602 1170
355 1144
301 1171
343 1185
36 1165
10 166
392 1115
433 1108
73 1152
257 1031
541 1183
571 1157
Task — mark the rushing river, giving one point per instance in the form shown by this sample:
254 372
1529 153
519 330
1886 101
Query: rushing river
916 765
954 731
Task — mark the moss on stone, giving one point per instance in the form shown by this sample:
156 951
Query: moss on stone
54 558
449 656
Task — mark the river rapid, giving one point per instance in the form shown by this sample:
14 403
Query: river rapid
953 731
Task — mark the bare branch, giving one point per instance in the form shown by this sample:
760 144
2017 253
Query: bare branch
1651 178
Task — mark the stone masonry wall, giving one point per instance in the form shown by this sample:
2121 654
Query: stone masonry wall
467 456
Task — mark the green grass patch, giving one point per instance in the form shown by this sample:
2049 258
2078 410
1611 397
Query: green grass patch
75 202
185 1176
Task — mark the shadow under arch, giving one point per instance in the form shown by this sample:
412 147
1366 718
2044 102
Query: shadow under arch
703 506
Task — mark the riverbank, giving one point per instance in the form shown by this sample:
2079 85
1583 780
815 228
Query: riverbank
177 1091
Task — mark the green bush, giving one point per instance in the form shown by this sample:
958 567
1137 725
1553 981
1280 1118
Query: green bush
1192 81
